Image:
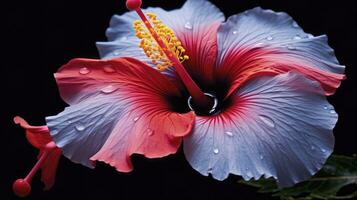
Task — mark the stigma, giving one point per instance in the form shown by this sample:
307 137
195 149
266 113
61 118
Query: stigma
152 48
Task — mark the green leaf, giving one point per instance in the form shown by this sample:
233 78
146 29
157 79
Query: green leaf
338 172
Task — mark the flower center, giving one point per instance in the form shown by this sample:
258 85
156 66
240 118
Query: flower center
167 50
207 110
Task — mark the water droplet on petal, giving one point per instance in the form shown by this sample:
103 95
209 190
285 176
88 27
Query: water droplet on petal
84 70
291 47
215 151
229 133
310 36
258 45
108 89
332 111
295 24
261 157
150 132
235 32
54 131
325 107
80 127
267 120
116 53
108 69
323 150
136 119
297 37
269 38
188 25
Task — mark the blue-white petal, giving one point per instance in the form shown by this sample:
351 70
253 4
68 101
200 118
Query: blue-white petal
277 127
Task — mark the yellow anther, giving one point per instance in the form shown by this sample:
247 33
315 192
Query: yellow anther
151 47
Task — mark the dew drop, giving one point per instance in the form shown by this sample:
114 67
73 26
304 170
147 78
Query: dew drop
188 25
235 32
84 70
108 89
332 111
269 38
80 127
229 133
325 107
258 45
323 150
108 69
215 151
295 24
150 132
116 53
136 119
261 157
297 37
310 36
267 120
54 131
291 47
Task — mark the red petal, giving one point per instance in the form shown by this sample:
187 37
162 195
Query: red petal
141 119
38 136
82 77
156 135
49 168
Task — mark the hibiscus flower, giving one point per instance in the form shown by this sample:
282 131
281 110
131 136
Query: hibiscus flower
246 96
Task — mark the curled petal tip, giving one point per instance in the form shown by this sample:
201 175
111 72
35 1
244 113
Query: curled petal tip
133 4
20 121
21 188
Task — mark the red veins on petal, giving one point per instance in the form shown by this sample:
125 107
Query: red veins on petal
147 125
244 64
201 47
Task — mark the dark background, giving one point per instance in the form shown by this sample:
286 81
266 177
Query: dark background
40 36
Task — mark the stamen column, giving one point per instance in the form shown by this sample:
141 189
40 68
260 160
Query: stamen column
198 96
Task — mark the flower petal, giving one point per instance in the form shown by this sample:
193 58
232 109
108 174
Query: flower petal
49 168
262 41
195 24
278 127
39 136
113 104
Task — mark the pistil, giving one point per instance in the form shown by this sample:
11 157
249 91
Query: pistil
22 187
196 93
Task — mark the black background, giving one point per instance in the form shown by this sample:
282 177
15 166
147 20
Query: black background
40 36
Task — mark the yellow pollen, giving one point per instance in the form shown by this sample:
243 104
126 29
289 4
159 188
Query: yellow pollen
152 48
